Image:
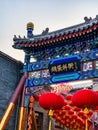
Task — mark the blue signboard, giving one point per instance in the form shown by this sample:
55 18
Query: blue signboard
65 69
64 65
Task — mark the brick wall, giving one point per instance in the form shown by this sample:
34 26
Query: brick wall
9 78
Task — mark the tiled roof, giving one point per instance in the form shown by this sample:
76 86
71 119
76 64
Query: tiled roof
52 37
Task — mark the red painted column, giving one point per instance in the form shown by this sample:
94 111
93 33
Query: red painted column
21 113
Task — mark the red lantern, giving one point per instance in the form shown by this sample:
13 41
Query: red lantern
51 101
63 112
96 107
60 102
80 113
71 112
77 109
67 107
84 98
58 119
90 113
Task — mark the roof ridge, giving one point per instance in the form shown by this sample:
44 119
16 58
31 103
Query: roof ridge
67 29
9 57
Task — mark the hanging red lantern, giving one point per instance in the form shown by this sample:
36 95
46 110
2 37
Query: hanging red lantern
96 107
63 112
84 98
56 111
66 107
51 101
58 119
84 117
71 112
90 113
67 118
74 116
80 113
60 102
77 109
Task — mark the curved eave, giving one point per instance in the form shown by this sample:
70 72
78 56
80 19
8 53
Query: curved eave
28 43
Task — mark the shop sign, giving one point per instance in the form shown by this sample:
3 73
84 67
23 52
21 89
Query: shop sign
65 65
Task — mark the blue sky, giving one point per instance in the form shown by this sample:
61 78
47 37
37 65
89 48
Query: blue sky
55 14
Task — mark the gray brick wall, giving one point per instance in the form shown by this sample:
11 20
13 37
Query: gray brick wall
9 78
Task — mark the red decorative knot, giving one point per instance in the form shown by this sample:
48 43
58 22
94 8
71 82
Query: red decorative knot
51 101
84 117
67 107
90 112
76 109
58 119
74 116
70 112
84 98
81 113
63 112
78 120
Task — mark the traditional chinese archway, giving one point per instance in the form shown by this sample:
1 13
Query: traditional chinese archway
69 54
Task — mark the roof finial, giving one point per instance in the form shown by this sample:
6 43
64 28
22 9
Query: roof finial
30 28
97 17
45 31
87 20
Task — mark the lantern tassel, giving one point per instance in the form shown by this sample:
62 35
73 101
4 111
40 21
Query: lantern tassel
86 127
50 120
50 123
86 122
